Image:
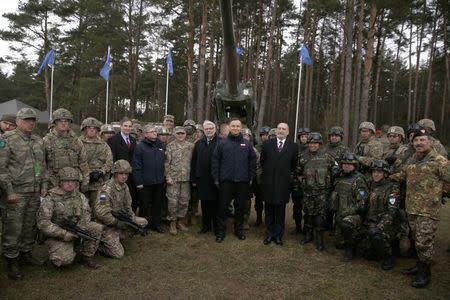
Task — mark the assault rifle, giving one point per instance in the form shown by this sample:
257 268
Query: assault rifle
70 224
124 216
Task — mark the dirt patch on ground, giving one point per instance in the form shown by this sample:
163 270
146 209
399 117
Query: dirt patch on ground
193 266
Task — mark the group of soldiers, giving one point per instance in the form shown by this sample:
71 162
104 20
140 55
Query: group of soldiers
384 195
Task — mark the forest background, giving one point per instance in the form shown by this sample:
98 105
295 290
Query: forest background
379 60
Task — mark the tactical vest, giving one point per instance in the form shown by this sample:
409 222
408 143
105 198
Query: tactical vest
62 152
381 198
66 206
316 172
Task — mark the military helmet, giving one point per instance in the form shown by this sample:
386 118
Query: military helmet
315 137
62 113
336 130
189 123
69 174
162 131
381 165
349 158
137 127
122 166
427 124
107 128
413 128
273 131
91 122
199 127
367 125
246 131
25 113
303 131
264 130
396 130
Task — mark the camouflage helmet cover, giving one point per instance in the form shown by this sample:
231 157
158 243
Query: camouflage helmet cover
349 158
62 113
315 137
367 125
69 174
264 130
427 124
189 123
381 165
396 130
91 122
122 166
336 130
107 128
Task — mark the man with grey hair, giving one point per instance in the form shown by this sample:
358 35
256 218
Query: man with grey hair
148 175
201 176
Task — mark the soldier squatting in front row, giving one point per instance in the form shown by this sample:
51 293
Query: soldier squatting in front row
369 204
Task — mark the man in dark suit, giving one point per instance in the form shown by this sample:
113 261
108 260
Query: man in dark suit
278 162
122 147
201 176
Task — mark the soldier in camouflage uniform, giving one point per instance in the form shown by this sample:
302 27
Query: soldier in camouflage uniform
297 193
368 148
99 158
349 199
425 174
178 168
113 196
22 167
272 133
259 204
169 123
396 136
199 133
137 131
429 126
7 123
381 222
163 135
66 201
189 127
337 150
247 134
63 149
106 132
314 171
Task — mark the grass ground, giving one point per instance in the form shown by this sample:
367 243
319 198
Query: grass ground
194 266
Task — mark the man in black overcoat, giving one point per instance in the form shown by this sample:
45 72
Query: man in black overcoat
278 162
122 147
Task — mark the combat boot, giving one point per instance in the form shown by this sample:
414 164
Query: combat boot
422 278
13 269
89 262
308 236
319 240
173 228
388 263
181 226
26 258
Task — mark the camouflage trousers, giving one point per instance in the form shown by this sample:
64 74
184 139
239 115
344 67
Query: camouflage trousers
378 245
63 253
92 197
315 205
19 225
423 230
348 230
178 195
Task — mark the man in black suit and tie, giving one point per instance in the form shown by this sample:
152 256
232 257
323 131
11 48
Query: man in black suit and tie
278 162
122 147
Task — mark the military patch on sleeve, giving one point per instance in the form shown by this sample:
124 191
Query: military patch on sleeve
361 194
392 200
102 198
2 143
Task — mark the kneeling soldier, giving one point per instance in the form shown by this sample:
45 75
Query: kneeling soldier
112 205
65 217
382 214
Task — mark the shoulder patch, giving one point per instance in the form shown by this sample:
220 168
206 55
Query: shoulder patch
102 197
2 143
392 200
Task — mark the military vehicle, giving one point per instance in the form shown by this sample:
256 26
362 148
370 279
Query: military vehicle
232 99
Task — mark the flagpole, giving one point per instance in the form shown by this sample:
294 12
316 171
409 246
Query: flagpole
107 102
51 93
298 98
167 88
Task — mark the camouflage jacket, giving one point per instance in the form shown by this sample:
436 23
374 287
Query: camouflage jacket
337 150
22 165
112 196
314 172
399 153
424 178
382 206
178 161
350 194
99 158
439 147
368 151
58 205
64 151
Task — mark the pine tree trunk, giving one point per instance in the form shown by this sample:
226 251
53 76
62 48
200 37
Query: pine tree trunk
368 64
209 90
397 65
349 23
410 115
202 65
189 112
416 74
429 91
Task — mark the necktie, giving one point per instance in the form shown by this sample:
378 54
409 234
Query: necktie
280 146
128 142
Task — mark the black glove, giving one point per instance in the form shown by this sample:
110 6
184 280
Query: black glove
391 159
335 171
95 176
121 225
